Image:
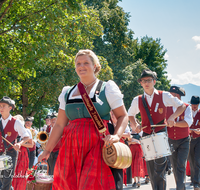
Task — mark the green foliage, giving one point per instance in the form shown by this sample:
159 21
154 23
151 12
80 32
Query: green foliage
116 44
152 53
130 87
39 40
125 55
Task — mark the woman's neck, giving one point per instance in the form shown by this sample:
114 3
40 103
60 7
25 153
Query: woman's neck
88 81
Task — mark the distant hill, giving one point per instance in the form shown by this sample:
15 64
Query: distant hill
190 90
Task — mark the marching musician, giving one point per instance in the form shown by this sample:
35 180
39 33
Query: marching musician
32 151
194 153
178 136
119 174
10 128
156 101
54 154
48 123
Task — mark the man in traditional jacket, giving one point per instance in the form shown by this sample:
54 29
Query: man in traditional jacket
179 138
156 103
194 154
10 128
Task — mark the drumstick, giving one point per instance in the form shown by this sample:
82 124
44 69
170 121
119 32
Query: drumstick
8 142
159 125
143 127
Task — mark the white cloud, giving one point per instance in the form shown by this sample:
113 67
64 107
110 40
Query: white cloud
198 46
186 78
196 38
166 56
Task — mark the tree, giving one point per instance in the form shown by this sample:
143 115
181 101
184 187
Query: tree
125 55
152 53
39 40
130 85
117 44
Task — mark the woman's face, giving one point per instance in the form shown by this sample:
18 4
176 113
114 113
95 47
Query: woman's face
84 66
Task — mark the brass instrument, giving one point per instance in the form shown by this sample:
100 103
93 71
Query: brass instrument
42 138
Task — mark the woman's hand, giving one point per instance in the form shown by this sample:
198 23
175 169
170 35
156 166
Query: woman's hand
109 139
44 156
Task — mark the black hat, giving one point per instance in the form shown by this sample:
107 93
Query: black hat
48 117
177 90
29 118
195 100
8 101
53 115
148 73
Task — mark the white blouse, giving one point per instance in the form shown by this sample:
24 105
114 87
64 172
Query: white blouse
112 92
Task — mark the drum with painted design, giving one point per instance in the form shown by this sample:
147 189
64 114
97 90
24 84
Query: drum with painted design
118 155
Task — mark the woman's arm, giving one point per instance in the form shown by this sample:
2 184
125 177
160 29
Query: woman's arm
28 144
56 134
18 145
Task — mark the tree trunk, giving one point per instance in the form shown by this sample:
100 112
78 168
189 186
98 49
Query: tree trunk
24 101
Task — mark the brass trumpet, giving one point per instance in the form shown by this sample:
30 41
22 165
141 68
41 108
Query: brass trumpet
42 138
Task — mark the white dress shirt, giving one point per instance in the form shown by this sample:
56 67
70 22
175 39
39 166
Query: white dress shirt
194 113
187 116
168 101
112 92
18 127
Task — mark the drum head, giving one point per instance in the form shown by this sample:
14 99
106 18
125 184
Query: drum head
5 162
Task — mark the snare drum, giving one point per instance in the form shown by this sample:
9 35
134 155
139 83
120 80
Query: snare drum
155 146
5 162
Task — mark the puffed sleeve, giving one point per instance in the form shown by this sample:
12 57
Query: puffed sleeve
113 95
61 98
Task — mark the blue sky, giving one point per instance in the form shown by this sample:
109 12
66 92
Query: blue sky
177 24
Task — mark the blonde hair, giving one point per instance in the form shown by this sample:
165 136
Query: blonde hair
93 58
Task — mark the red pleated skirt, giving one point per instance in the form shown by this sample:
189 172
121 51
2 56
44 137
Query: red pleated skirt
80 165
188 168
19 180
137 161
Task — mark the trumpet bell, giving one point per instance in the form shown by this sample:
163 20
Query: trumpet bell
42 137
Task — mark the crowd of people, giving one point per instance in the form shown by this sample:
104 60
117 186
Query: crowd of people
92 116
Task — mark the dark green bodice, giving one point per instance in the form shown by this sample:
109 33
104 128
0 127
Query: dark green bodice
75 108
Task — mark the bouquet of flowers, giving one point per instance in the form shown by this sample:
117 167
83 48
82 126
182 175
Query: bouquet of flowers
31 174
37 180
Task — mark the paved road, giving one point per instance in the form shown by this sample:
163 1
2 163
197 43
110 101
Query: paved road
170 184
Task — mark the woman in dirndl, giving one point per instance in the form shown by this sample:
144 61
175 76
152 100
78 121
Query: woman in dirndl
138 168
19 179
80 165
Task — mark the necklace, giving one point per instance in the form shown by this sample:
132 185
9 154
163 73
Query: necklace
86 86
